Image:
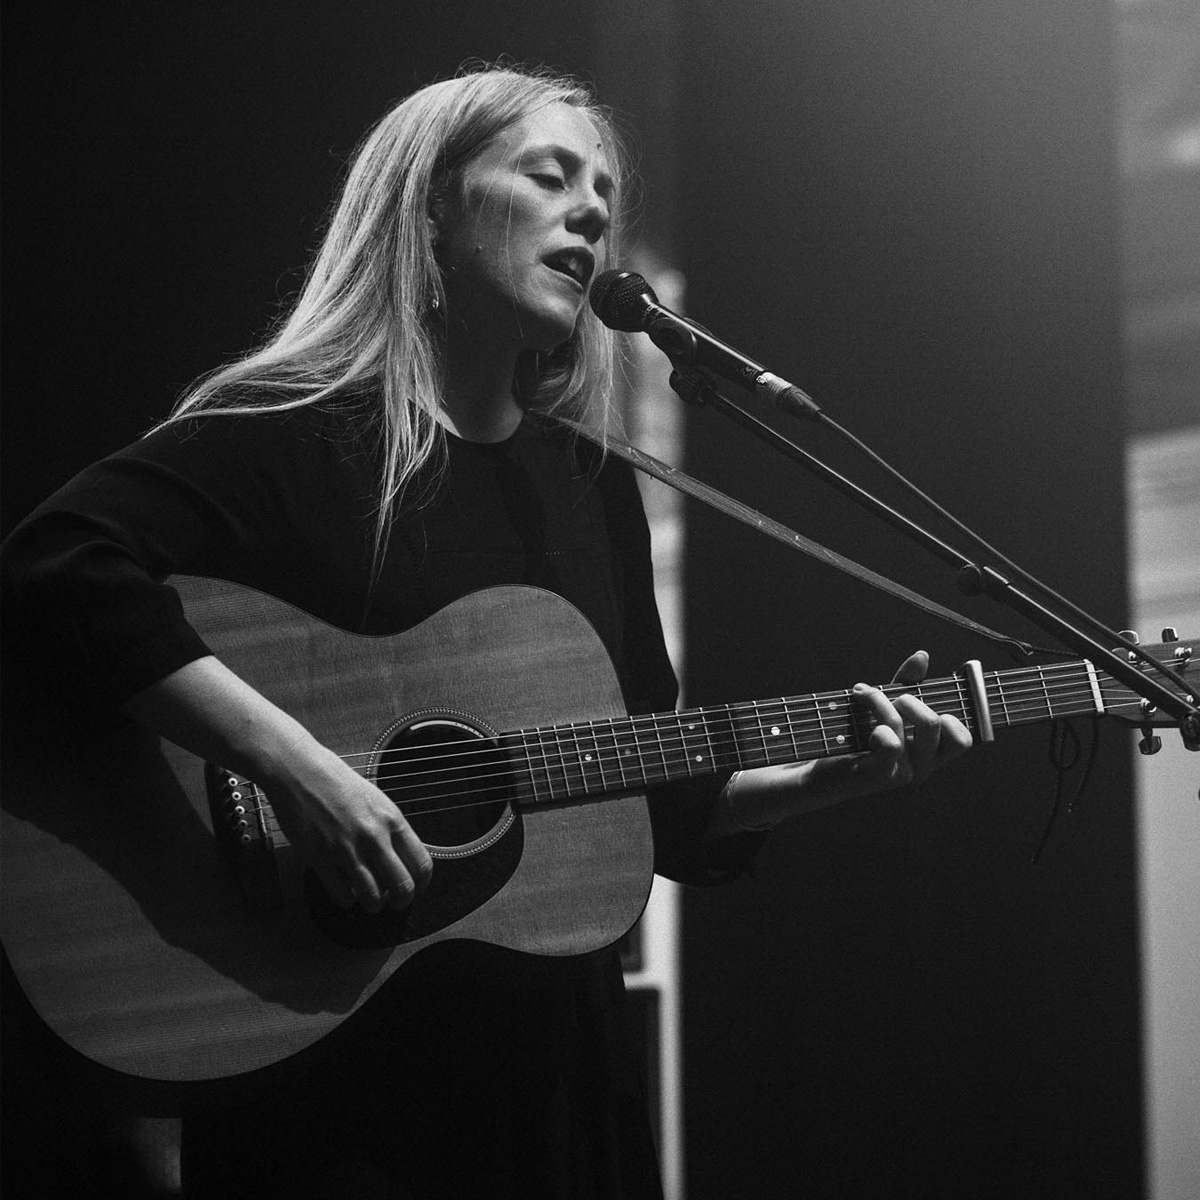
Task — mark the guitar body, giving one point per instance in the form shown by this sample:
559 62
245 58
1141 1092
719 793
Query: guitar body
152 951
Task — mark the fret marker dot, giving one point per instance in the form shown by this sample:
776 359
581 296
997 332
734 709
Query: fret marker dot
587 758
832 705
699 757
774 730
841 738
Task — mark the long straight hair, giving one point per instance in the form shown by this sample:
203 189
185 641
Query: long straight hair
368 318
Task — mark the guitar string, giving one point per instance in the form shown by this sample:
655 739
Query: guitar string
566 743
567 761
563 764
411 808
594 757
788 712
786 708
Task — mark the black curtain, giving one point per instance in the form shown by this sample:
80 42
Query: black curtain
911 211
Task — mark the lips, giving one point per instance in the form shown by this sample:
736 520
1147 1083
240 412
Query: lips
575 263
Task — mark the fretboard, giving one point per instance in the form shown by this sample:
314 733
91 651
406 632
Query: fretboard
561 763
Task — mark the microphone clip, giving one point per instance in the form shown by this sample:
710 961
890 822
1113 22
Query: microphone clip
691 386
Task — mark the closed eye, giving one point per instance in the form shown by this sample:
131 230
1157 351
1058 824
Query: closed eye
554 181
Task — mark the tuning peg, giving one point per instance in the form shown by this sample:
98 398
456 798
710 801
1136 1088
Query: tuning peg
1132 638
1170 634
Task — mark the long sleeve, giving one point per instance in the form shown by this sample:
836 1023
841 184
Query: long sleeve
83 595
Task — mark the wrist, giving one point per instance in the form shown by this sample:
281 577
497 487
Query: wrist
742 807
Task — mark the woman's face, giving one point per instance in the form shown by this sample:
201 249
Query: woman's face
525 237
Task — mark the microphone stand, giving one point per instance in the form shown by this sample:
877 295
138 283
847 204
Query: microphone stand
695 386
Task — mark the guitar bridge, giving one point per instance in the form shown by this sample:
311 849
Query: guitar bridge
239 811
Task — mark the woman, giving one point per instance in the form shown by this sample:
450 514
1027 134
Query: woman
394 447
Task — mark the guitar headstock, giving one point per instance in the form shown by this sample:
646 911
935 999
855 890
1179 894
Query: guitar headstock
1180 654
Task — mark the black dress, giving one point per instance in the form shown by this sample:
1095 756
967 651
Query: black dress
484 1073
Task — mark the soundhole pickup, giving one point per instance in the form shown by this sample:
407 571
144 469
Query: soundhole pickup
239 814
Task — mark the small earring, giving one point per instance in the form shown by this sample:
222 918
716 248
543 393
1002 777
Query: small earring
436 302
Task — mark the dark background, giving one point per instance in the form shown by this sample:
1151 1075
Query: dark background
910 209
913 207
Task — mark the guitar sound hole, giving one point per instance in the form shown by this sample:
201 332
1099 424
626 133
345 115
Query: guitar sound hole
451 782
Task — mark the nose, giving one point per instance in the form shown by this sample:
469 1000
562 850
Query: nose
590 217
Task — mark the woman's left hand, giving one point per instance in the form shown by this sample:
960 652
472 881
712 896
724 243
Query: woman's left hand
910 740
908 743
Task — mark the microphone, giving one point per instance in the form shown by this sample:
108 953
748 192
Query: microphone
624 300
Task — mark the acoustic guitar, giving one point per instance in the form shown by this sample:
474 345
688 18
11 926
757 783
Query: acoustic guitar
159 922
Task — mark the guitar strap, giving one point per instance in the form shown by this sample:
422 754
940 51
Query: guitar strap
682 482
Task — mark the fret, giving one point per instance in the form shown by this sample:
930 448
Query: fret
525 776
660 753
1041 673
760 728
747 737
603 751
964 708
626 749
557 760
646 744
591 769
585 757
720 740
760 736
792 714
658 771
696 749
529 739
964 712
617 771
825 710
711 739
1001 699
818 704
578 764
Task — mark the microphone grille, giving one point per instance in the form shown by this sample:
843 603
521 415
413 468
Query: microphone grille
620 298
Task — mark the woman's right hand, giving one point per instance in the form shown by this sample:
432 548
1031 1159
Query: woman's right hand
354 838
347 830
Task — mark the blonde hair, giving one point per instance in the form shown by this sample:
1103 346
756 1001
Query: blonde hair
367 318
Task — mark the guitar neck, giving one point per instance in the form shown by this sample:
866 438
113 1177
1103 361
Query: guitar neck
563 763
